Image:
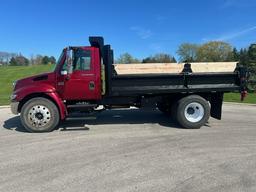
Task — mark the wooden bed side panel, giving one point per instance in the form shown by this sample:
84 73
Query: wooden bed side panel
152 68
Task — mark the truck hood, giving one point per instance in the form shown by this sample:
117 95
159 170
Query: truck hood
44 82
35 79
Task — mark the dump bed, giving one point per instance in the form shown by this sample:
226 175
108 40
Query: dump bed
143 79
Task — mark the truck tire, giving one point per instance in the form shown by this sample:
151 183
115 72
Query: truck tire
39 115
192 112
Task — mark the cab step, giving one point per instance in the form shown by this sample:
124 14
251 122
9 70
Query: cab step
77 116
80 118
82 106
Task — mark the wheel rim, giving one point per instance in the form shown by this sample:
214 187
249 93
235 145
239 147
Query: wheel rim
194 112
39 116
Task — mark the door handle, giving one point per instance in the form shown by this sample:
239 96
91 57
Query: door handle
87 75
91 85
67 77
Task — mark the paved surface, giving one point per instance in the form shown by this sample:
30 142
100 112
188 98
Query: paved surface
132 150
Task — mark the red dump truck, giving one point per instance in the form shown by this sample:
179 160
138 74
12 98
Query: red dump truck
85 78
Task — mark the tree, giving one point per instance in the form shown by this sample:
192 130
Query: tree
52 60
32 60
5 57
252 53
188 52
13 62
215 51
38 60
45 60
127 58
236 54
243 57
252 60
19 60
174 60
48 60
160 58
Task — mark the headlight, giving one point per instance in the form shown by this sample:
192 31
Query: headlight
14 84
13 97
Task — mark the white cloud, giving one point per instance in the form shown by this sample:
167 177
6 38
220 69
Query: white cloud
236 34
142 32
156 47
160 19
237 3
228 3
231 36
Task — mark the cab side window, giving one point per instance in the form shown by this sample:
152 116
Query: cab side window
82 60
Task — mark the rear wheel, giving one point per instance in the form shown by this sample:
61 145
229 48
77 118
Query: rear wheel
39 115
192 112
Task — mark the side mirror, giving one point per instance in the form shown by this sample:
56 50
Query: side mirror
64 72
69 58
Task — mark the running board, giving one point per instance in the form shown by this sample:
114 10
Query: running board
82 106
80 118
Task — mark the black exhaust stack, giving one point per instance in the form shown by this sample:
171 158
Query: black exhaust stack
107 54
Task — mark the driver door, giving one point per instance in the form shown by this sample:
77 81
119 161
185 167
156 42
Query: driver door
81 84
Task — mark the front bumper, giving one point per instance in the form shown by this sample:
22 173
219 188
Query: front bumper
14 107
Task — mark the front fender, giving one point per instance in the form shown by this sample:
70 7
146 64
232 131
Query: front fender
43 89
60 104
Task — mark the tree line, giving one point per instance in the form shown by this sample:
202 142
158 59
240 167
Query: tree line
213 51
13 59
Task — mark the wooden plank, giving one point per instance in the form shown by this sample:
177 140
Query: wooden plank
213 67
148 68
152 68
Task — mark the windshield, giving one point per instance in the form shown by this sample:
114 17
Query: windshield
59 60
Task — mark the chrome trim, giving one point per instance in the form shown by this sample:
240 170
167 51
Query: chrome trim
61 83
39 116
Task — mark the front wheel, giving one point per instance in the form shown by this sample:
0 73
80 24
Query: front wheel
39 115
192 112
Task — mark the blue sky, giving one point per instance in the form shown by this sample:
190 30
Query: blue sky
140 27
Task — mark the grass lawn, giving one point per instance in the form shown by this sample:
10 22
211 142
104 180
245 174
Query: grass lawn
235 97
11 73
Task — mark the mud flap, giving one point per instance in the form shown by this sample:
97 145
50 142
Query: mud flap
216 105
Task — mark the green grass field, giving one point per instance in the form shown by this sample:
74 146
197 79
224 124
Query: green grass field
10 74
235 97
